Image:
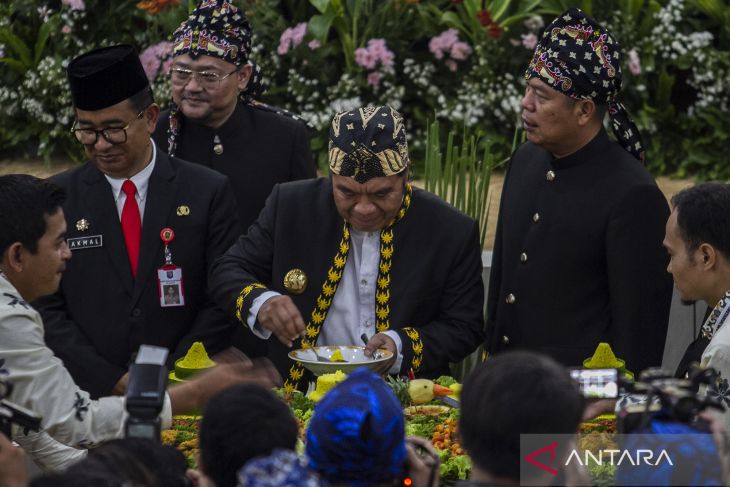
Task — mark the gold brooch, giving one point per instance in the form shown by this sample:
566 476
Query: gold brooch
82 225
295 281
183 210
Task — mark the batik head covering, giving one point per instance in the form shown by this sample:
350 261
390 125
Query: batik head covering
219 29
283 468
104 77
368 143
356 434
579 58
215 28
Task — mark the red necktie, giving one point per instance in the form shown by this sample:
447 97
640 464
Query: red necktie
131 224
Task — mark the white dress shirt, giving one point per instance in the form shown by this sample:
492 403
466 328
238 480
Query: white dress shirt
352 312
141 180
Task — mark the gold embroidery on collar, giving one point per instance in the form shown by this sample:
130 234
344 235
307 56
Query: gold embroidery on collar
334 275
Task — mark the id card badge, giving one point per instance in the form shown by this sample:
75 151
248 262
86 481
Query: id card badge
169 276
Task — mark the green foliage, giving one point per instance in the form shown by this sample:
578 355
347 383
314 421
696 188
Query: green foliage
459 173
676 67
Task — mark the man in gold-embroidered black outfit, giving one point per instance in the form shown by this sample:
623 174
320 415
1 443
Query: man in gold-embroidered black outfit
359 252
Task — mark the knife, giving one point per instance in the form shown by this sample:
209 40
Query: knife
450 401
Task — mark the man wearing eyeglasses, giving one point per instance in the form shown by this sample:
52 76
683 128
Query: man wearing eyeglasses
138 222
215 121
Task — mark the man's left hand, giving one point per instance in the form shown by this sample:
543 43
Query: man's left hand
381 340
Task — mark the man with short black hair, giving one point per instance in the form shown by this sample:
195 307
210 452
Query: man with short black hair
577 255
138 220
698 242
239 424
512 394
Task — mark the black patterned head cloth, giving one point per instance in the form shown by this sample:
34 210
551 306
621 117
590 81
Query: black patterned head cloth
368 143
581 59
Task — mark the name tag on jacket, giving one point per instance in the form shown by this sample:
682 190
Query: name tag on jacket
80 243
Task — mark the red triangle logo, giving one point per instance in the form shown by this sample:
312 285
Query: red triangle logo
551 448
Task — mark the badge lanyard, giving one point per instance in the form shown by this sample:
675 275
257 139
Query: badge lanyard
169 276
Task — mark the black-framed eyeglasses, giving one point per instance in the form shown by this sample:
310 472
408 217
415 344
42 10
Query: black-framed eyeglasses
207 79
113 135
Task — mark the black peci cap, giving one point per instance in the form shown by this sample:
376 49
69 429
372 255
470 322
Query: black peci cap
104 77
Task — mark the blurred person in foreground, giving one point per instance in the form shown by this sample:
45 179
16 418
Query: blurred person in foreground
356 437
34 254
359 253
138 220
577 253
698 242
130 461
239 424
512 394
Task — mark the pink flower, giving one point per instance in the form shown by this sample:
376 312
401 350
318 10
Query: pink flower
376 52
364 58
529 41
451 64
634 62
291 38
297 33
152 57
74 4
374 78
66 29
283 47
460 50
314 44
442 43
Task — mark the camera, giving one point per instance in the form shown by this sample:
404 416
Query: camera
11 413
668 399
146 393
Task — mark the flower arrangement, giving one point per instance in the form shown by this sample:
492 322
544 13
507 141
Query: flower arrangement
459 62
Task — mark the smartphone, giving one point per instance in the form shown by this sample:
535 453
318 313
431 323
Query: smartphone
597 383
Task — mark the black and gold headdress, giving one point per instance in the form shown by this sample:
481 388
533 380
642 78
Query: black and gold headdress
368 143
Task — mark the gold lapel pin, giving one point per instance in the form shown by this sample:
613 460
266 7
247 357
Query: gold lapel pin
82 225
295 281
183 210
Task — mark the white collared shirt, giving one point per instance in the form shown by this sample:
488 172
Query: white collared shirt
141 180
352 312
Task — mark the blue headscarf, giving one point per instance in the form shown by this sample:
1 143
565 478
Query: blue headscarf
357 432
283 468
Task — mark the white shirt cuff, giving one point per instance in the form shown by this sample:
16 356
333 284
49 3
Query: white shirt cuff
399 346
166 413
253 313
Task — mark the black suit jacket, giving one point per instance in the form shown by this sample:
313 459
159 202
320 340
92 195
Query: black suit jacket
578 257
260 149
101 315
436 275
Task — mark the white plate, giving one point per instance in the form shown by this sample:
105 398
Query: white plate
354 357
